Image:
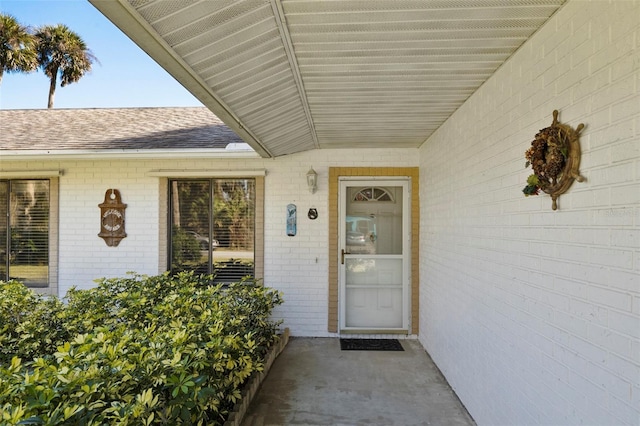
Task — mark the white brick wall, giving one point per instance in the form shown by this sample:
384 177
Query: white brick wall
298 266
534 315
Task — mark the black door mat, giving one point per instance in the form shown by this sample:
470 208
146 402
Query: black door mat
370 345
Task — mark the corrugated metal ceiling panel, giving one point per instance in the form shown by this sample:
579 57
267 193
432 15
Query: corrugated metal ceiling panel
372 69
236 48
305 74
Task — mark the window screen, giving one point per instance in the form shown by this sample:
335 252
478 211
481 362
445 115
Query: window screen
212 227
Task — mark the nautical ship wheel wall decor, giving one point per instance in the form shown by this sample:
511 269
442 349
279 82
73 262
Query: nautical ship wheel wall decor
112 218
554 157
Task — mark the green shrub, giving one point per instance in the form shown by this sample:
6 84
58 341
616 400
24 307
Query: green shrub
145 350
30 325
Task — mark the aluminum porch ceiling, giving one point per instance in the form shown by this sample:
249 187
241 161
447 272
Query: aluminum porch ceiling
297 75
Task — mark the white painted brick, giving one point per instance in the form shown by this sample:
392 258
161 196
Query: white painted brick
570 323
619 90
584 198
625 323
573 289
626 108
589 412
589 236
625 194
609 257
588 350
625 238
607 297
628 22
587 388
593 157
625 369
589 312
605 337
635 350
613 174
628 413
615 216
577 269
576 74
575 253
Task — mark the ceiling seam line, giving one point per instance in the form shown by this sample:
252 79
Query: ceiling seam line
278 13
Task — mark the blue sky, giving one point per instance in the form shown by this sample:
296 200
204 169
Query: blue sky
125 76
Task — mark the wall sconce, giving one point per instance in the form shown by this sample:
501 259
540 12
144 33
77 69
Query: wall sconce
312 180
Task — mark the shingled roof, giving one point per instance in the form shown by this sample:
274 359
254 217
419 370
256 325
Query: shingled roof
113 128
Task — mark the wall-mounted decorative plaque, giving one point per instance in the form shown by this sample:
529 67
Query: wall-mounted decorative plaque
554 157
112 218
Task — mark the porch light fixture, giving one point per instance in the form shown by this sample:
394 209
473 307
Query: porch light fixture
312 180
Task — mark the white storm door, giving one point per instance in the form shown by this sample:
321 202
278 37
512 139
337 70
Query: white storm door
374 258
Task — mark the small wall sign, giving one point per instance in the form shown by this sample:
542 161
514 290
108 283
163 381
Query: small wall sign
292 225
112 218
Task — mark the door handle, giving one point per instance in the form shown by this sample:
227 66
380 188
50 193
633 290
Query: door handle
342 255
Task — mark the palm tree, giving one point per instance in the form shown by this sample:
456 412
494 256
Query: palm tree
17 47
62 51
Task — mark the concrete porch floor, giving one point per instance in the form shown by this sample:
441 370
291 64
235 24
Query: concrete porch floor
313 382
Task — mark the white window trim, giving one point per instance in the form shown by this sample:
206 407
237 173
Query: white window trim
208 173
29 174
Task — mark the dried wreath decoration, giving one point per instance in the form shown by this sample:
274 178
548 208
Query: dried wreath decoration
554 157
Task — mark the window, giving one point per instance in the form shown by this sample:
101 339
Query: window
25 206
372 194
212 227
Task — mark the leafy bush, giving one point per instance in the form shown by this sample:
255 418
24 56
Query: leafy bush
30 324
145 350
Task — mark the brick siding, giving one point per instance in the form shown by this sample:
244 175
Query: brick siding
534 315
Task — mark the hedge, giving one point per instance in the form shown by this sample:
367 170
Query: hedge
132 351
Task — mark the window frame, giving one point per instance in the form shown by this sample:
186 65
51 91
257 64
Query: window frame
164 253
53 232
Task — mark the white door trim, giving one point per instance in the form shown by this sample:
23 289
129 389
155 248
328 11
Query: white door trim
405 183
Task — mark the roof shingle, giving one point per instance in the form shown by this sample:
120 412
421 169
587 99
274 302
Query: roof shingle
113 128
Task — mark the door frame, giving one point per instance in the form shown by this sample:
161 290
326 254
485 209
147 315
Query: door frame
335 173
382 181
